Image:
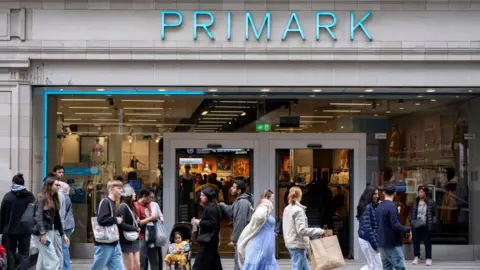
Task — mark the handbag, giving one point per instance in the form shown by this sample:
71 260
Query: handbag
105 234
132 235
418 223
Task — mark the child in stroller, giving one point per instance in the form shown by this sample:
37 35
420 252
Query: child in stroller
179 251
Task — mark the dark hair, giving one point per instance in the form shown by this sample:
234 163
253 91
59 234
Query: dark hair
46 195
365 199
145 192
179 234
390 189
241 185
425 189
119 178
18 179
128 200
210 193
57 168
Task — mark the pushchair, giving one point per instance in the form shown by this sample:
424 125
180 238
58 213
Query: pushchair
186 229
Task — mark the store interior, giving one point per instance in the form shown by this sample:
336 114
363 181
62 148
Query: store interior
412 139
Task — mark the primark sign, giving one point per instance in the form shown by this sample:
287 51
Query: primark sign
204 22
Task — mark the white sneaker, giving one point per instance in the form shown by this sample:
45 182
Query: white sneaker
415 261
428 262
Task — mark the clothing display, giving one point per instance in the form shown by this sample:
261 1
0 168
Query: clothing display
394 143
340 178
97 153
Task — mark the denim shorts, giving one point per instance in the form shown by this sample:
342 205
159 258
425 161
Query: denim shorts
299 259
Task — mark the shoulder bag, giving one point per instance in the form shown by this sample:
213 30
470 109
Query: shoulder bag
133 235
105 234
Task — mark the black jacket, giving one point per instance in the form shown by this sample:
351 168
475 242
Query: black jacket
431 213
127 225
210 223
14 204
44 222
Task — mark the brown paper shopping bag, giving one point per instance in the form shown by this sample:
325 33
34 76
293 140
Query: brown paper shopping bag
326 254
327 232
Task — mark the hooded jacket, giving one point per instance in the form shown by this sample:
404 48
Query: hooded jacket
240 213
66 214
13 206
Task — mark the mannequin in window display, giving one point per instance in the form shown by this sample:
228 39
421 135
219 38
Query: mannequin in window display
96 156
186 188
394 143
206 169
344 159
460 154
134 163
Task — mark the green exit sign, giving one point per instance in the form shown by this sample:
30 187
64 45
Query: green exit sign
264 127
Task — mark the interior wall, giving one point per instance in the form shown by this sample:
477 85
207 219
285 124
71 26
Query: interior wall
302 157
71 149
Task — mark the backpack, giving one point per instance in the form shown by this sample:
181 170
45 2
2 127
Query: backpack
28 218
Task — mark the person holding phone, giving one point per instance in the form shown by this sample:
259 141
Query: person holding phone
48 220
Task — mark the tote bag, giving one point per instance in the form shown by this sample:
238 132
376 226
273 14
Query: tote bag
160 232
105 234
326 254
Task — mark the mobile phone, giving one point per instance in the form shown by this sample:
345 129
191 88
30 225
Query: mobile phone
47 244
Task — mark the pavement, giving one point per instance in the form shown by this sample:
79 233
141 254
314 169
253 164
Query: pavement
350 265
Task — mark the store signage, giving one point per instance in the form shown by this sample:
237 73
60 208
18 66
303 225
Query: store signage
203 151
380 136
263 127
469 136
172 19
82 171
191 161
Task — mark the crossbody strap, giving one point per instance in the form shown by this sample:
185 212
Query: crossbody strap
111 209
133 216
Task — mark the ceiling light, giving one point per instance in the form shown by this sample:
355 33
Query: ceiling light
243 114
59 113
349 104
341 126
85 107
204 112
236 101
420 96
214 114
265 90
431 90
229 123
72 119
401 108
317 90
417 104
433 100
212 122
312 96
208 126
342 111
375 115
217 118
103 119
143 108
231 107
289 129
317 116
161 90
100 89
143 100
368 90
157 140
142 120
226 111
82 99
93 113
145 114
313 122
470 91
457 96
387 112
212 90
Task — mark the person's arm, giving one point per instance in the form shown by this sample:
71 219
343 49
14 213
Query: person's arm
57 222
301 227
104 216
63 208
3 214
395 220
39 217
226 210
172 249
371 224
147 219
242 214
122 211
158 211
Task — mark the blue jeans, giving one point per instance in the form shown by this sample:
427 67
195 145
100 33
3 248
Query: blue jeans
66 251
299 259
392 258
107 256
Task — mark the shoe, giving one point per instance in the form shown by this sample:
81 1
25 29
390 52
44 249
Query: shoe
428 262
415 261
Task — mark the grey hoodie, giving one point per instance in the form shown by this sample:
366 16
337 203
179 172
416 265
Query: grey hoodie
240 213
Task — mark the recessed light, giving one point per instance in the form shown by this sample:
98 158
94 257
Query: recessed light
341 127
243 114
317 90
470 91
229 123
431 90
86 107
100 89
161 90
457 96
342 111
143 100
401 108
204 112
375 115
212 90
368 90
59 112
433 100
349 104
420 96
387 112
265 90
417 104
61 89
312 95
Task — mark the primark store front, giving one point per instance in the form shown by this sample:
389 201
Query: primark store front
330 97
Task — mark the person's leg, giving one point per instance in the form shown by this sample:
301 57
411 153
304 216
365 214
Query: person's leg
296 258
305 260
58 244
115 261
66 251
101 256
398 259
427 241
373 261
143 255
416 246
236 266
24 251
49 258
127 259
152 256
10 244
136 261
385 255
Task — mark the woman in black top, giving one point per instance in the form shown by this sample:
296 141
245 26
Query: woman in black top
47 219
208 257
130 249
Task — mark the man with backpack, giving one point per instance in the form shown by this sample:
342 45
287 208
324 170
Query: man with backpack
147 217
239 212
15 236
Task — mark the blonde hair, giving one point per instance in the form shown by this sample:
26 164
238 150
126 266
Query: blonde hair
114 183
294 195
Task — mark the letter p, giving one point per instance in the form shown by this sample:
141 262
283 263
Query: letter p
175 24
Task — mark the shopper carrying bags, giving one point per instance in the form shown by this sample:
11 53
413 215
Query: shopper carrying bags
295 230
423 220
367 231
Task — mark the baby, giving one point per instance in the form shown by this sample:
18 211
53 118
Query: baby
178 252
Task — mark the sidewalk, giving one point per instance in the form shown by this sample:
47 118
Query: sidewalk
350 265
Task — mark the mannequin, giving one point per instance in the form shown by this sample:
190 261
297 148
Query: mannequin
394 144
187 192
96 155
344 159
460 154
134 162
206 169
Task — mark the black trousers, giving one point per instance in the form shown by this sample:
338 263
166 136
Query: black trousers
422 235
11 244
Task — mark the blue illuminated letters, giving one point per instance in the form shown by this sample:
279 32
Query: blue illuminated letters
324 24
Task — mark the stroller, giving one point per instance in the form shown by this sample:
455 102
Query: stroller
186 229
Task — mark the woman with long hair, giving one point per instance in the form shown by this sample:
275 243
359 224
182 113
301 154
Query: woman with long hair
423 220
256 244
367 230
208 257
47 219
130 249
295 230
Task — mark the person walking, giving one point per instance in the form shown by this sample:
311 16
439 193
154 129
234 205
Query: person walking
256 244
48 220
239 212
148 251
296 233
68 222
130 247
423 220
367 231
14 236
108 254
390 232
208 257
